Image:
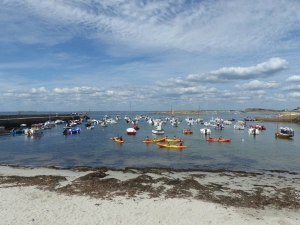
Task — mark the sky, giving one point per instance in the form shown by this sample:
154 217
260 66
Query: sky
121 55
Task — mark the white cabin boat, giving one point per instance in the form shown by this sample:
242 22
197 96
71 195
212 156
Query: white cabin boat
158 130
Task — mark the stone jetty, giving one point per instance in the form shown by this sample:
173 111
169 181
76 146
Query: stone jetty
14 121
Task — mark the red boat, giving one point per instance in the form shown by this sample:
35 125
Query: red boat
135 127
257 127
131 131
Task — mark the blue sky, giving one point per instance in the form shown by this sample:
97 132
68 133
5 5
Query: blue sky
60 55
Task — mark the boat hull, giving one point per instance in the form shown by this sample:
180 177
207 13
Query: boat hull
284 136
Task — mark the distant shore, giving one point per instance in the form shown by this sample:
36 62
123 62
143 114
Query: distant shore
292 116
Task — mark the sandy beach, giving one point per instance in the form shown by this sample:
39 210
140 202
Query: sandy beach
149 196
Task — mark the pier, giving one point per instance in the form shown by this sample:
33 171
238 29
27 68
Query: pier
14 121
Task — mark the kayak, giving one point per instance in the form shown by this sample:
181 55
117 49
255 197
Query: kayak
117 140
217 140
170 146
154 140
173 140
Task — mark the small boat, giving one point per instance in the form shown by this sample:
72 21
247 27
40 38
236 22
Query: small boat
218 139
187 131
238 127
35 129
118 140
135 127
171 146
75 130
131 131
257 127
205 131
285 132
158 130
253 131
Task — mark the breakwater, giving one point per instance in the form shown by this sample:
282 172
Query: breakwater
14 121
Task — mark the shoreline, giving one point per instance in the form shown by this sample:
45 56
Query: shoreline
149 196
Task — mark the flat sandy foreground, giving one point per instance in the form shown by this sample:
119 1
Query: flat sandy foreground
147 196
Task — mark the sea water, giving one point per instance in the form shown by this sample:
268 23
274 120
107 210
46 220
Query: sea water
96 148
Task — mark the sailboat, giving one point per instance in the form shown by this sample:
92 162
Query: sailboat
284 132
199 119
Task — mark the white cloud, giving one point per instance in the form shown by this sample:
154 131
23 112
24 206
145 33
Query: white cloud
292 88
257 85
39 90
293 79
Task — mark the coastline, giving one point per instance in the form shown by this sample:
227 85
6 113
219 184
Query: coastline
150 196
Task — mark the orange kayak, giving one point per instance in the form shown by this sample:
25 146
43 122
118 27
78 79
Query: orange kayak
219 140
154 140
170 146
118 140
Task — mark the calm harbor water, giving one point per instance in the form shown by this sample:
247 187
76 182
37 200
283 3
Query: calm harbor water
95 147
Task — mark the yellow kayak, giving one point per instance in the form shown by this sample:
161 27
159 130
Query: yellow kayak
118 140
171 146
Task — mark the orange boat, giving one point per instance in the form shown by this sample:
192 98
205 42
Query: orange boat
187 131
171 146
218 140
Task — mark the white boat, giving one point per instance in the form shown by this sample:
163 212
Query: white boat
205 131
111 121
49 124
158 130
103 124
227 122
131 131
238 127
253 131
35 130
58 121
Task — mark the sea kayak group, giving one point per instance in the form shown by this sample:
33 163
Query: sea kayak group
176 143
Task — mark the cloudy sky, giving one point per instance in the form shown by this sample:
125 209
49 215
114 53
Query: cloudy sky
80 55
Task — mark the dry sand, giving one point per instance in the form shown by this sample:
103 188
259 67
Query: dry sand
147 196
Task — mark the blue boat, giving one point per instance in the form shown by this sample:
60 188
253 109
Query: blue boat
75 130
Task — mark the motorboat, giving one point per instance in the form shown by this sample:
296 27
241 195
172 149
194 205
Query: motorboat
205 131
131 131
158 130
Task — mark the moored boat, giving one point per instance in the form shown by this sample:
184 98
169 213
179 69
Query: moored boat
253 131
285 132
205 131
71 130
158 130
131 131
